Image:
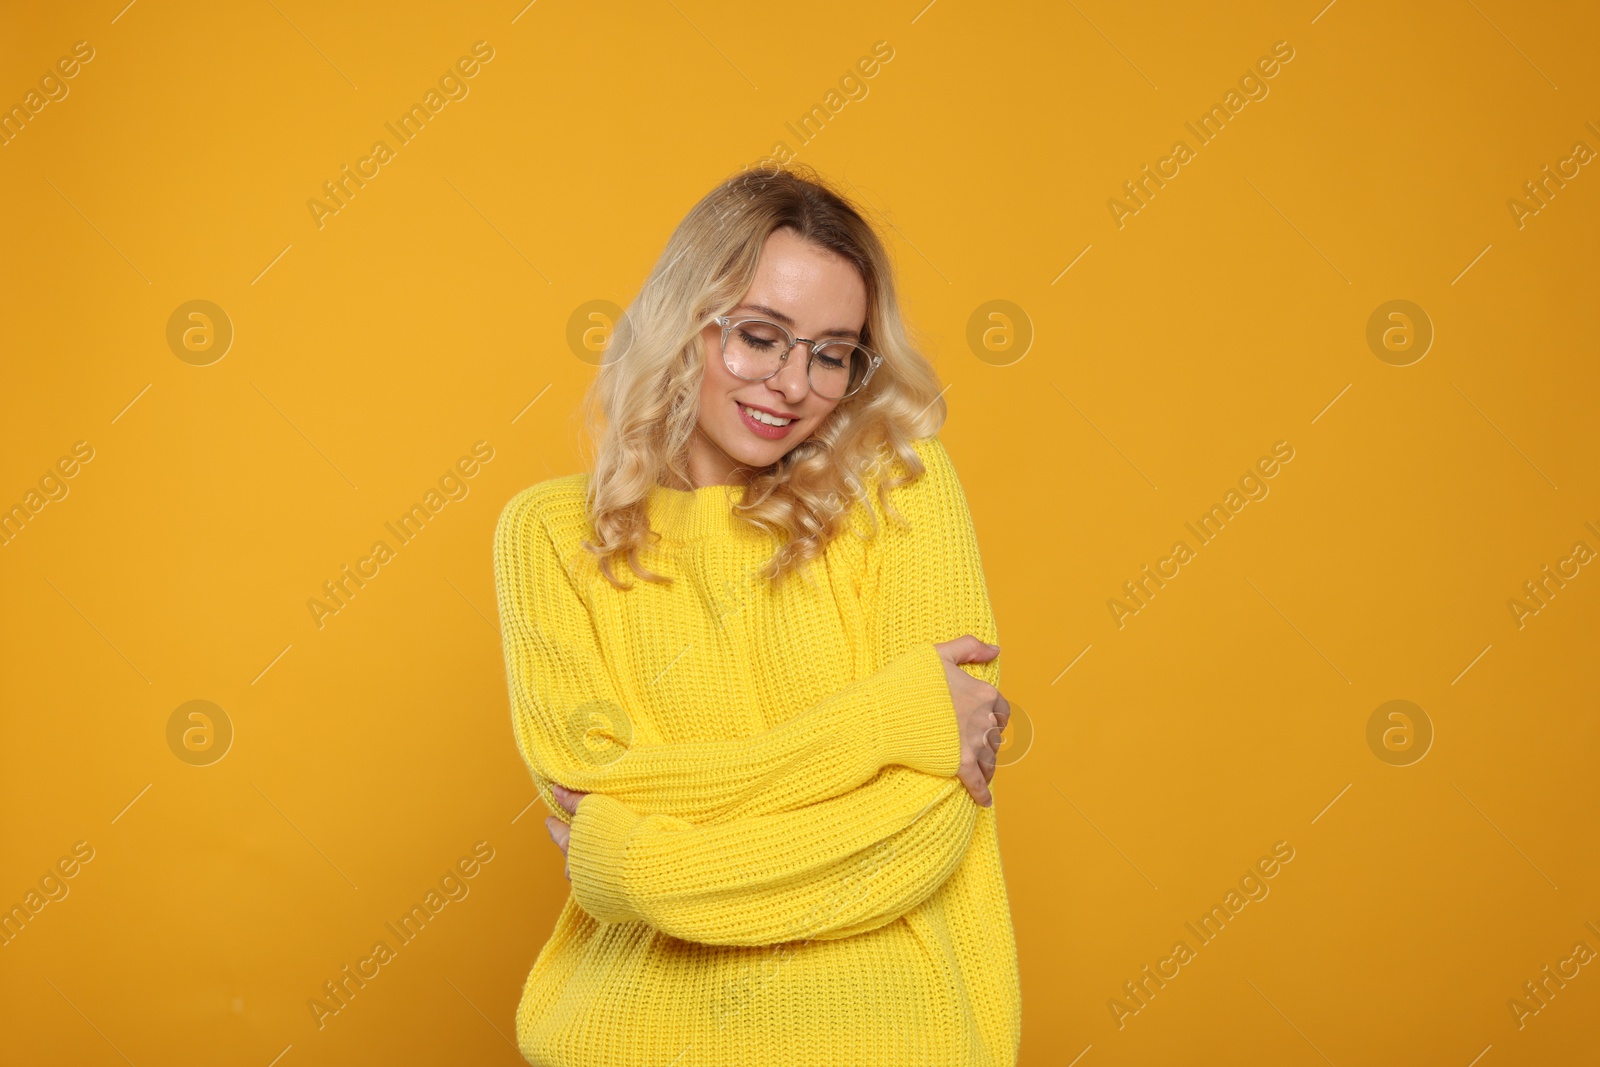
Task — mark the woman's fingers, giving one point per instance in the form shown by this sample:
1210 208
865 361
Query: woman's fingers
559 831
967 649
567 798
561 834
994 737
977 784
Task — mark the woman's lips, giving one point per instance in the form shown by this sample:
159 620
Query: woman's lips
761 429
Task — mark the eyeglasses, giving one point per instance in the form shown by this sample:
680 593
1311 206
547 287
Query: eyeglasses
756 349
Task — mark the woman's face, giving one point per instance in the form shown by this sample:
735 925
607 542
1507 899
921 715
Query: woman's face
816 294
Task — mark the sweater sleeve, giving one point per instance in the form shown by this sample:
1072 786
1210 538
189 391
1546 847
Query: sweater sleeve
829 870
926 581
571 725
850 863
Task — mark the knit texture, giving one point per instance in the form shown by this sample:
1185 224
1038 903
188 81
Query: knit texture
775 863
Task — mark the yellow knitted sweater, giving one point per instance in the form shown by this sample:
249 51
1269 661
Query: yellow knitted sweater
775 864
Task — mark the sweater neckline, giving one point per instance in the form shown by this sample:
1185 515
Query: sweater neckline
694 514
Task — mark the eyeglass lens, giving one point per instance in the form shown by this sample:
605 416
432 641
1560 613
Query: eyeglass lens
755 348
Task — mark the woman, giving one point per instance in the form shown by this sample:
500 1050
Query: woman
734 655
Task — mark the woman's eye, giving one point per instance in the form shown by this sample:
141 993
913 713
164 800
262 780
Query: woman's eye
756 342
830 362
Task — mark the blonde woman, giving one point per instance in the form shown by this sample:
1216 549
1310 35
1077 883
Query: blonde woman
751 668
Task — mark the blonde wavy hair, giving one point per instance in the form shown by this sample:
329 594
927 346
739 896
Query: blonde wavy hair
642 407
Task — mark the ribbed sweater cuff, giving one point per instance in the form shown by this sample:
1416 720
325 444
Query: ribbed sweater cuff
916 718
597 856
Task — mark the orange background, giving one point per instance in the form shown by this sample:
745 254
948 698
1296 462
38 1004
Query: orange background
1229 313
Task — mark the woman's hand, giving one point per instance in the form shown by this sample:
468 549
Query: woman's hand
981 713
560 832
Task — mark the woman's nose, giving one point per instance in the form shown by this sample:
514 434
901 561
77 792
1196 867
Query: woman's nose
793 380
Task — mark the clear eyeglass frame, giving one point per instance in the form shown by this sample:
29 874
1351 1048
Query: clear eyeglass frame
728 324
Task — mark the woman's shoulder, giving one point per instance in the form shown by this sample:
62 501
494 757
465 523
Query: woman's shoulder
937 477
925 535
935 457
915 497
555 503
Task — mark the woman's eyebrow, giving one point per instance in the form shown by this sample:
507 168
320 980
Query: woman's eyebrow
774 313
